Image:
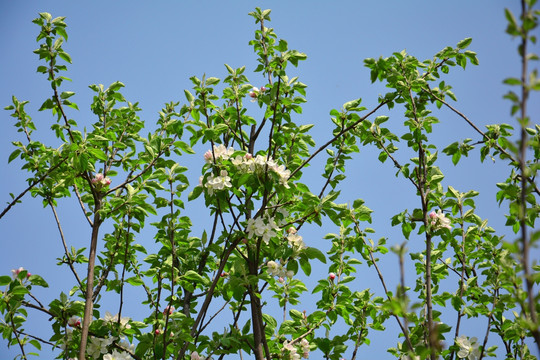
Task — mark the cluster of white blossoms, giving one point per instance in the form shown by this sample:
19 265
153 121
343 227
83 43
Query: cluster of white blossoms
117 355
278 270
293 351
98 346
259 164
295 240
244 164
220 152
468 348
439 221
124 321
262 228
195 356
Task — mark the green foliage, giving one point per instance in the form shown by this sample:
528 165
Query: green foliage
251 184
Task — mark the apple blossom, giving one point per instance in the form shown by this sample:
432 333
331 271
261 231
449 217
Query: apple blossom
124 321
100 180
15 272
296 241
468 347
439 221
74 321
98 346
169 309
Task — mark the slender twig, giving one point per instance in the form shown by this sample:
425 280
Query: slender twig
523 194
495 144
68 256
337 136
34 183
383 283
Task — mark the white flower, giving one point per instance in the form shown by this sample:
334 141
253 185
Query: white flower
219 182
126 345
74 321
439 221
296 241
98 346
116 355
255 227
468 348
273 268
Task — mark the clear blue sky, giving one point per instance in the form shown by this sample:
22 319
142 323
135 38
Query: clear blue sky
154 47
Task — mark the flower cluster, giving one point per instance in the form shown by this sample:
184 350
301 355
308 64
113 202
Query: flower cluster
195 356
15 273
117 355
278 270
98 346
101 181
295 240
247 163
259 164
260 227
169 309
293 352
468 348
124 321
439 221
254 93
220 152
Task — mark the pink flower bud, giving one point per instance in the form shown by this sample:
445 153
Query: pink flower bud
433 215
157 332
263 88
74 321
332 276
169 309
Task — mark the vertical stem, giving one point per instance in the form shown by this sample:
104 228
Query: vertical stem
523 172
256 316
89 304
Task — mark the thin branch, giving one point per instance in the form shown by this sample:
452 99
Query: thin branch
68 256
16 200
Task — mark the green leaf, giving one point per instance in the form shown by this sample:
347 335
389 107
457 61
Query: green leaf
512 81
189 96
65 56
193 276
4 280
135 281
19 290
98 153
314 253
38 281
14 155
195 193
464 43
